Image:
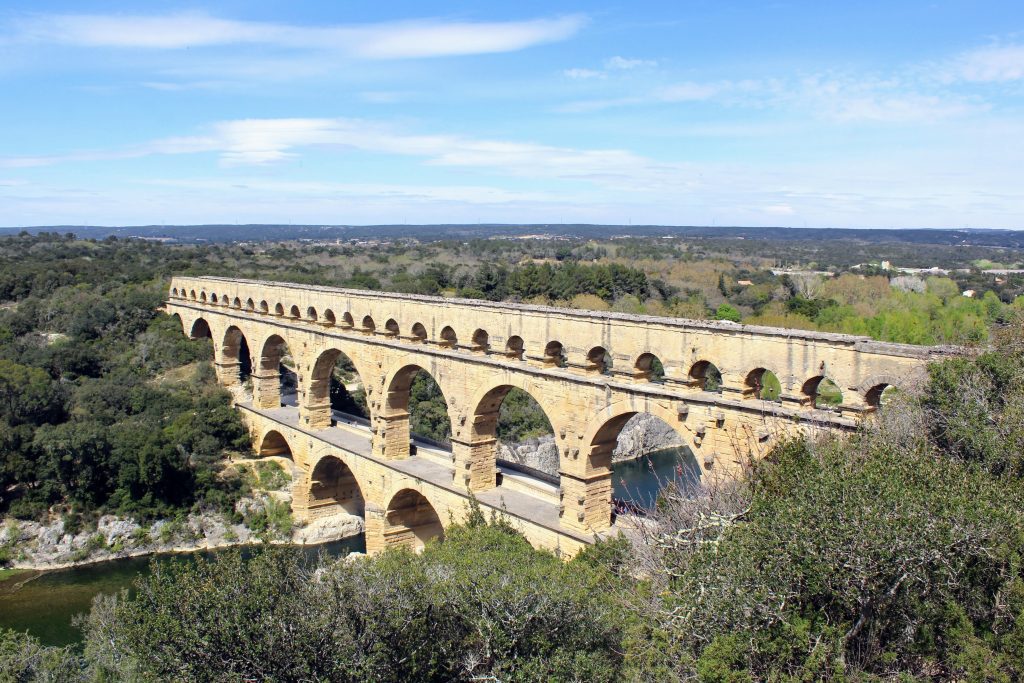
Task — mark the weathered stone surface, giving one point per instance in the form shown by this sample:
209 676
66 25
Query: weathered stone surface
644 434
540 453
477 351
330 528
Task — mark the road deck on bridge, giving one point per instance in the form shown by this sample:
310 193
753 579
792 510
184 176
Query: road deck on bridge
355 439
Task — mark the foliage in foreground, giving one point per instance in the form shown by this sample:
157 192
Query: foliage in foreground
896 552
481 604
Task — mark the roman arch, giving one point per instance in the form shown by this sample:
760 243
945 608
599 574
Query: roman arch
589 371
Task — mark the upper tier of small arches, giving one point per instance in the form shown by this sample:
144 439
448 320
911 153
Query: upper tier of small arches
819 391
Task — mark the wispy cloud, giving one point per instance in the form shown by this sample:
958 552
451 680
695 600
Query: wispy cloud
611 64
583 74
259 142
993 64
839 98
624 64
690 92
394 40
469 194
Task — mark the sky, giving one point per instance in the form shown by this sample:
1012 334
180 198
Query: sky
823 113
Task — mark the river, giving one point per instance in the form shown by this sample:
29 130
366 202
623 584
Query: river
640 480
45 603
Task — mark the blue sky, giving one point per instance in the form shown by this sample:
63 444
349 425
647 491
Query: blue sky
818 114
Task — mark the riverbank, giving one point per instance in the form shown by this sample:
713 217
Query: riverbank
46 603
52 545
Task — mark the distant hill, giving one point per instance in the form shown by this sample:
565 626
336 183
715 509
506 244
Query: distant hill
265 233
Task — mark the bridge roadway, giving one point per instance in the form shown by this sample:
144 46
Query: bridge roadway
590 373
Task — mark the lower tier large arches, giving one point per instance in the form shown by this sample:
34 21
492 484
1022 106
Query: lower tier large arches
333 489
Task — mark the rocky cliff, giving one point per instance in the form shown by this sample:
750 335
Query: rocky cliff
642 434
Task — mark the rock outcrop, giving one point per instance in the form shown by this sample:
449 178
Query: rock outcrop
34 545
642 434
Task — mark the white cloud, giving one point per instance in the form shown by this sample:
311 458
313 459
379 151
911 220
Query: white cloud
583 74
259 142
998 63
396 40
621 63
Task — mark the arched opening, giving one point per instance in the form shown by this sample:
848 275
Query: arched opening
822 392
421 411
202 297
348 396
335 385
554 354
329 319
264 307
649 369
311 314
599 360
236 359
347 320
224 300
213 298
514 348
294 313
448 338
278 309
367 326
706 376
274 444
419 333
521 435
276 382
763 384
877 396
411 521
200 329
250 305
391 327
236 303
481 341
174 292
334 489
643 454
192 295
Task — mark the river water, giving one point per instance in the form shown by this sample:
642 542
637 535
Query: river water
46 603
640 480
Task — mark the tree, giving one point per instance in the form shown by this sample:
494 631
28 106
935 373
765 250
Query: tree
28 395
727 312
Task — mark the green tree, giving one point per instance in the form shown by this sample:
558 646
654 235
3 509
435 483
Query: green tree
727 312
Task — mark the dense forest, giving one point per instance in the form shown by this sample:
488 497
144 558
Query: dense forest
890 554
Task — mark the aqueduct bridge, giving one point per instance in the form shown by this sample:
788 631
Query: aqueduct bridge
589 371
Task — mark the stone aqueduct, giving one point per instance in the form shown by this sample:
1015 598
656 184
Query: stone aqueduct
589 371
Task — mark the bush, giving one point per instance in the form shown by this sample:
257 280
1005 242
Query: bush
482 604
